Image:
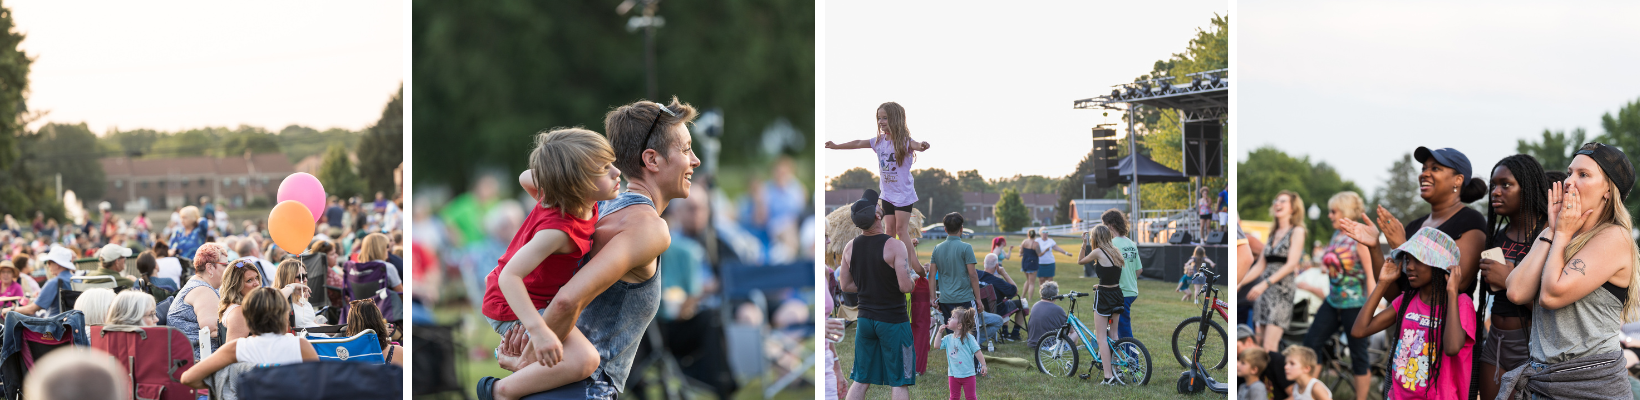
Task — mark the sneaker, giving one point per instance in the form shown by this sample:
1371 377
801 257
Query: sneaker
1114 380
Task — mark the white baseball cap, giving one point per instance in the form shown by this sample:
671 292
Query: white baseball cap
113 252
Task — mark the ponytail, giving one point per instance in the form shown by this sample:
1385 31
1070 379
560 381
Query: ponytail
1474 190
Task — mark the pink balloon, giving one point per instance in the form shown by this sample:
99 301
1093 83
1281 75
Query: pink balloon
306 189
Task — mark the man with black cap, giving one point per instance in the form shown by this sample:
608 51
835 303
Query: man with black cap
874 265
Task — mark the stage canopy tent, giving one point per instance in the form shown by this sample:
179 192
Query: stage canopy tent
1149 172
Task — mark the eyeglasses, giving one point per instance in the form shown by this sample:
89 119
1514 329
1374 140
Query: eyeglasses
656 122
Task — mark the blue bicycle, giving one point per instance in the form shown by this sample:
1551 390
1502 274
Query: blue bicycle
1057 355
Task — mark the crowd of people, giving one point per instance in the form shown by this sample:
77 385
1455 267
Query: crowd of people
877 268
1525 300
227 287
570 274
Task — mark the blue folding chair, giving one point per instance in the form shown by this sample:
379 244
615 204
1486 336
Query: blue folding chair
363 348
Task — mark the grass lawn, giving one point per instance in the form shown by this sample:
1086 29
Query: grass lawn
1157 312
479 339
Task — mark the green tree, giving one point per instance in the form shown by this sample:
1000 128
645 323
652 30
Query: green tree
939 187
1623 131
336 173
1555 150
70 150
1399 194
1162 136
490 74
245 139
1072 188
971 181
854 178
1010 212
21 194
1026 184
382 148
1268 171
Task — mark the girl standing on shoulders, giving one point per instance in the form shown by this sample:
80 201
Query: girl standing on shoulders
895 153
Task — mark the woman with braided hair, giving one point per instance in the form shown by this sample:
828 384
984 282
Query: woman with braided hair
1519 207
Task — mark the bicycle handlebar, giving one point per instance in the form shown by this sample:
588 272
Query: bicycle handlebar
1070 295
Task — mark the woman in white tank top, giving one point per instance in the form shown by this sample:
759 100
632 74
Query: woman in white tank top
266 313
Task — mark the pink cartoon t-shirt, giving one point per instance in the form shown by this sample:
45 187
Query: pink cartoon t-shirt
1413 361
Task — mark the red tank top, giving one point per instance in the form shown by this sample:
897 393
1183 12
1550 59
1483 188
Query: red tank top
543 283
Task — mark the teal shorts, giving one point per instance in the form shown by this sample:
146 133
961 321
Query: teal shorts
1044 270
883 354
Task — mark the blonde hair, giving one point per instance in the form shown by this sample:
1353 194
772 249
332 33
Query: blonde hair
898 133
1255 357
287 273
1296 203
1102 235
628 127
375 247
564 165
1304 355
231 280
965 321
94 304
130 307
1349 205
1615 214
189 214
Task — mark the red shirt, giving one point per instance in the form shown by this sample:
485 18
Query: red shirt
543 283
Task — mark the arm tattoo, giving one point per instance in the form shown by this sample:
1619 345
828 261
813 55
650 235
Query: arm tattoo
1576 265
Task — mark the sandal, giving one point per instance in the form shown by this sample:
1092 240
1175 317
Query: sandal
486 388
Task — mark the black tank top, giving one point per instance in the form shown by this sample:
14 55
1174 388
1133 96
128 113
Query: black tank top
1108 274
880 297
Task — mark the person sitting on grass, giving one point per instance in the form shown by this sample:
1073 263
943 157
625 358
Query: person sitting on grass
1046 316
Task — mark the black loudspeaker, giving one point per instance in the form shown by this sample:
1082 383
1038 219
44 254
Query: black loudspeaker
1216 237
1180 237
1104 158
1202 153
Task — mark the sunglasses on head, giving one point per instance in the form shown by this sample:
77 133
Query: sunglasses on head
657 121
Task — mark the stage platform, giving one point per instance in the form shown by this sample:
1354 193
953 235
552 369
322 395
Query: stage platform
1166 261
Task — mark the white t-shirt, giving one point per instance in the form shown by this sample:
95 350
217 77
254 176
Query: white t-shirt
1314 277
1045 246
269 348
169 267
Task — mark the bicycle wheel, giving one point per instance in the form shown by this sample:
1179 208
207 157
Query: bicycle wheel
1214 346
1056 355
1132 361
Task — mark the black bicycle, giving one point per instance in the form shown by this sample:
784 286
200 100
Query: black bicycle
1208 336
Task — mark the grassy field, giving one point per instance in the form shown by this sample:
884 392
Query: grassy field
480 341
1158 312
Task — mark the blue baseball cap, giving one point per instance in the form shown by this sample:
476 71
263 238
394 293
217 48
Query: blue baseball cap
1450 157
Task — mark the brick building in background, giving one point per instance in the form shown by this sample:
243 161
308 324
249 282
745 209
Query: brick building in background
979 209
166 183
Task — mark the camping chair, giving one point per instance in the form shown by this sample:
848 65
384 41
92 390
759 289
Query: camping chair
84 283
436 369
224 383
746 344
988 295
153 356
363 347
324 380
25 344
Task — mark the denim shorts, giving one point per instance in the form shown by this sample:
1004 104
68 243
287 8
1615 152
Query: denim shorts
502 327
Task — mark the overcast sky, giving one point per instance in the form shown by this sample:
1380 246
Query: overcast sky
990 86
174 65
1357 86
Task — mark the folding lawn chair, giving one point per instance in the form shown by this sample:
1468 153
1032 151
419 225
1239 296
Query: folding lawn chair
363 347
154 357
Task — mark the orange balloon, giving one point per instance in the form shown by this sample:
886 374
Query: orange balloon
291 226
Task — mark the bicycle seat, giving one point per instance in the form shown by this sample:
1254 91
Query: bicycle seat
1118 310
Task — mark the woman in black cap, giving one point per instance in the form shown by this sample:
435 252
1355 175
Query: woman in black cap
1580 277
